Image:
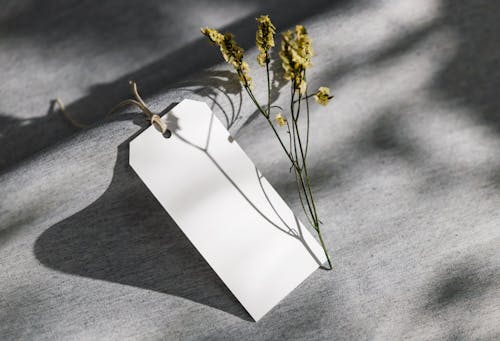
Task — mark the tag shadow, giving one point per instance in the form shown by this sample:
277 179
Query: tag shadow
126 237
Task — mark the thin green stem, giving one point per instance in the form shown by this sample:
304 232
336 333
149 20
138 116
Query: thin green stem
324 248
268 85
298 169
308 193
292 109
299 190
297 181
249 91
303 155
305 97
303 185
307 127
304 166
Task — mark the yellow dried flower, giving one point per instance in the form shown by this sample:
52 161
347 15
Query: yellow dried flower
232 53
215 36
304 46
286 54
323 96
296 53
280 120
264 38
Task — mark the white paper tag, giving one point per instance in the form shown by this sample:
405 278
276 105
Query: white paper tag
227 209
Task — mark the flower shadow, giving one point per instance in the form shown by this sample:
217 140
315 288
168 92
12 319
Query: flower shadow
275 219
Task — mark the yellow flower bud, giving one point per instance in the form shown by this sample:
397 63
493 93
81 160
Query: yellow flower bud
323 96
280 120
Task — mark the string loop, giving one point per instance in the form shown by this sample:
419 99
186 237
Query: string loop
138 102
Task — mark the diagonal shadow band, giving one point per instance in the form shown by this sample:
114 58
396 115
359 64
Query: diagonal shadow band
126 237
164 73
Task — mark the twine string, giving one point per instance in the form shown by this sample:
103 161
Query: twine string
138 102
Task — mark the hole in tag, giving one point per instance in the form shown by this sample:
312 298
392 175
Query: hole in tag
161 126
167 134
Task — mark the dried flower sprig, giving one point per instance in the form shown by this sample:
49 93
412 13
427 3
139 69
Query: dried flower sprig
264 38
232 53
295 53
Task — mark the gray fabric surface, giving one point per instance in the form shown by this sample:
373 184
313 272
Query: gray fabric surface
405 164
